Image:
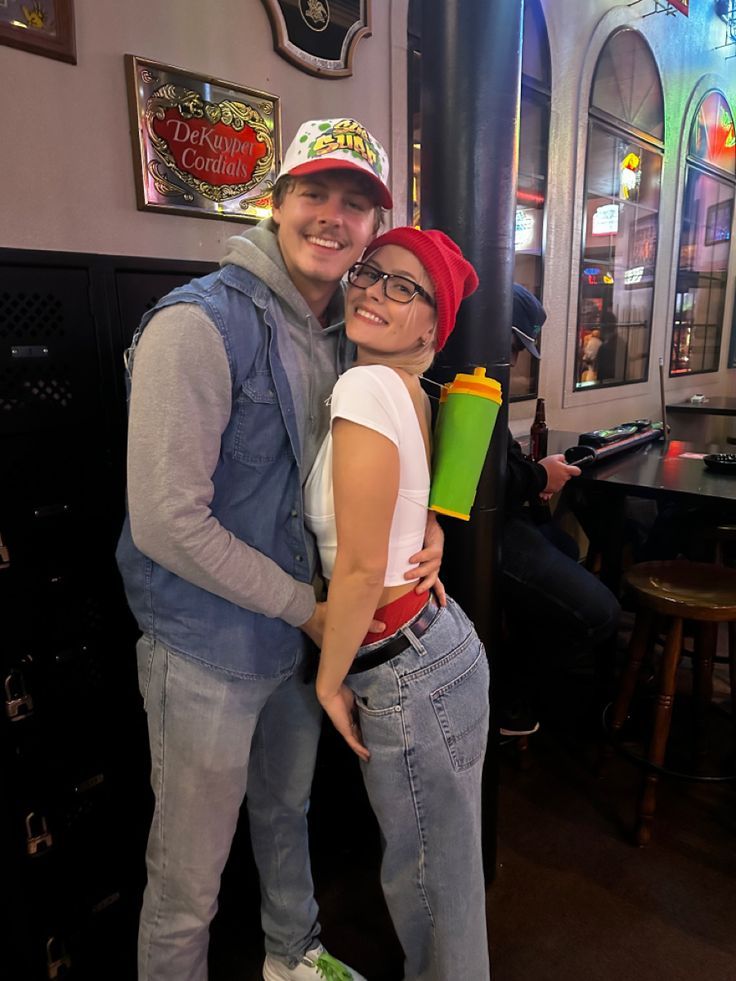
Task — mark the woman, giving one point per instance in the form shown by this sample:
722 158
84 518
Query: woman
419 690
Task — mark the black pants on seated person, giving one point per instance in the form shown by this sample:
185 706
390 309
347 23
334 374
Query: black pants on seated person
555 610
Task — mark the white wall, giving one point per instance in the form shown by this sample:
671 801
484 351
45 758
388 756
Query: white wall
68 174
65 148
688 65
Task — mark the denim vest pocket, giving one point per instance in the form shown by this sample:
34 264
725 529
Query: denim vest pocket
259 436
461 708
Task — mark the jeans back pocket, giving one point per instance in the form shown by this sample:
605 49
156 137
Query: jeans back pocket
461 708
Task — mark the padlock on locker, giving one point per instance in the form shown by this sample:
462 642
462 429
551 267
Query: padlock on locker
18 702
38 837
58 962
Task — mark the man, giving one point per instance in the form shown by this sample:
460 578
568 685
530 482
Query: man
554 607
229 378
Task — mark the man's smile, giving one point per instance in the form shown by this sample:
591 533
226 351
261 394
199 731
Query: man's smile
325 243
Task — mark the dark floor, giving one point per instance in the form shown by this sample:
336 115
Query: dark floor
572 898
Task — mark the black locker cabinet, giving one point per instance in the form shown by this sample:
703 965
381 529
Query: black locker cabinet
74 799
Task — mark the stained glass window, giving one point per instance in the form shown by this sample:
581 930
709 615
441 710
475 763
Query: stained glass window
712 137
705 240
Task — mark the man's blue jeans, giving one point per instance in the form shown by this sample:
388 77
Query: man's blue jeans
216 739
424 718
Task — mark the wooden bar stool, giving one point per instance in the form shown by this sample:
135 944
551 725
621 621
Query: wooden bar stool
725 549
679 590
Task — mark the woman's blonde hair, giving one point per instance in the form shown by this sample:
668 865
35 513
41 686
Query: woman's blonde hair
414 362
424 355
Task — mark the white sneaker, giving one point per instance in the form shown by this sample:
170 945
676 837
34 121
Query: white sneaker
316 965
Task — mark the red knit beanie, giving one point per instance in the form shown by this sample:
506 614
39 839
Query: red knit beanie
452 275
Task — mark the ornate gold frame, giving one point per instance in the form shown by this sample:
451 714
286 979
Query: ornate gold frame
161 183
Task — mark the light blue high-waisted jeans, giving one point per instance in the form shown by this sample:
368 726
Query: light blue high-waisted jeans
215 739
424 718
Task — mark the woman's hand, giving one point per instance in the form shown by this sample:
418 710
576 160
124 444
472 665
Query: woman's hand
429 560
340 707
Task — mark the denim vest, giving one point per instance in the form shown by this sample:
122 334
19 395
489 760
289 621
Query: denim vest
257 492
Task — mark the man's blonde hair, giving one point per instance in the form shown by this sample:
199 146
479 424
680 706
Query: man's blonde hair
285 185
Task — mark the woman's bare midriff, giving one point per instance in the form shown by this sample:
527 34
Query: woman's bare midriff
391 593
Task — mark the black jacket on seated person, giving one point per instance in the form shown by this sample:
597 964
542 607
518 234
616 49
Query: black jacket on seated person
525 481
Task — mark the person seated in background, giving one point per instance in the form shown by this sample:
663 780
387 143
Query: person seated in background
554 609
591 347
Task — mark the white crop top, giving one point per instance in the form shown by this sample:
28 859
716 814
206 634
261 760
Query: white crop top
374 396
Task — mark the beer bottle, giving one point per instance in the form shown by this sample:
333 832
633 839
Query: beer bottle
538 433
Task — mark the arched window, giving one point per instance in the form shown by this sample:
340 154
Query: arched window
705 239
621 220
531 194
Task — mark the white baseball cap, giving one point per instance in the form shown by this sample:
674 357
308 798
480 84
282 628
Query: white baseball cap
338 144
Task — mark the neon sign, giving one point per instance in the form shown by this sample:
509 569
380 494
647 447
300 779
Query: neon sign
630 176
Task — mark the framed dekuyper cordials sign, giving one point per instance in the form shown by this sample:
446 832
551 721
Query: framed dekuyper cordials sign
201 146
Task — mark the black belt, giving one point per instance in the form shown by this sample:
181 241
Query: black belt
398 644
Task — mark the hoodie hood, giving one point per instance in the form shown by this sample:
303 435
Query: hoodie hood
257 251
313 356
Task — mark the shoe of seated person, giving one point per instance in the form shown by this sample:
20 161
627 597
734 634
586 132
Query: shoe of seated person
316 965
517 719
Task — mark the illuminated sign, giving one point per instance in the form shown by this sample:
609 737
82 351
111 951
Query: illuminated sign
718 222
525 229
713 136
630 176
632 276
605 220
201 146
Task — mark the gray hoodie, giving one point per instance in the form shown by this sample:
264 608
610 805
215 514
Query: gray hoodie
315 350
181 397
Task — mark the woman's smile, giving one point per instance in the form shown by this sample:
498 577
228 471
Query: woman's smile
365 314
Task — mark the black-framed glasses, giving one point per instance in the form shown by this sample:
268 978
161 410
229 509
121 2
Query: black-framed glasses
401 289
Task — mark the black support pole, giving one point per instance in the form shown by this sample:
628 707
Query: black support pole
470 96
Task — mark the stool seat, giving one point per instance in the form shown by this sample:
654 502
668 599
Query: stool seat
680 588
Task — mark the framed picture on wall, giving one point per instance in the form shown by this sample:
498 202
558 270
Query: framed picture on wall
642 251
718 222
44 27
319 36
201 146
